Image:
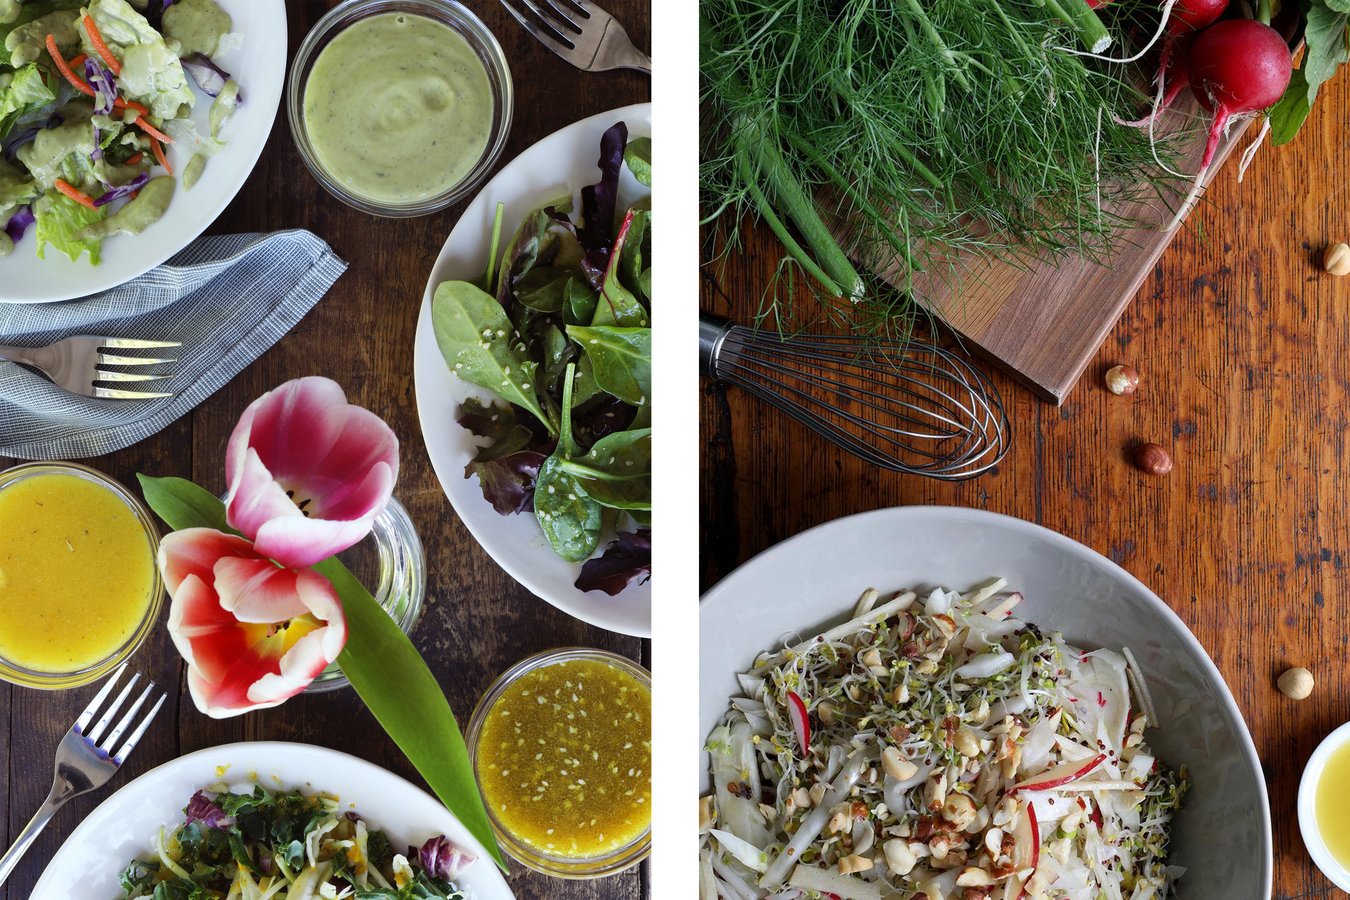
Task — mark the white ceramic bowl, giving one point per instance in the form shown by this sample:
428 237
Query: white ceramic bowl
1222 835
1307 808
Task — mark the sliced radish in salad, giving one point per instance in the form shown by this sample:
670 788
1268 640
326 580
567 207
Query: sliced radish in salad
1062 774
801 722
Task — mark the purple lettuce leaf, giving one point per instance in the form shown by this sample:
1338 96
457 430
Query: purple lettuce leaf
201 808
124 190
19 222
627 560
508 466
597 205
443 859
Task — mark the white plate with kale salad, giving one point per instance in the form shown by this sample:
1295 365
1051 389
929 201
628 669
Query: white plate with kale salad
1001 714
540 302
270 821
126 127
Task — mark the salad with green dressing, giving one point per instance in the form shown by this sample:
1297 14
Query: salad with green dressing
562 333
91 98
267 845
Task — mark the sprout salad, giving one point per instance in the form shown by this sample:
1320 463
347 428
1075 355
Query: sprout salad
266 845
938 748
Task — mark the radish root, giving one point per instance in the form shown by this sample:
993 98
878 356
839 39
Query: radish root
1157 35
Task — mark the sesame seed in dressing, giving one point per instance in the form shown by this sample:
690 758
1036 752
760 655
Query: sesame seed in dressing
593 790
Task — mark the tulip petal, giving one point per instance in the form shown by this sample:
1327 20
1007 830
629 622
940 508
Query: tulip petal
257 590
255 497
194 551
301 542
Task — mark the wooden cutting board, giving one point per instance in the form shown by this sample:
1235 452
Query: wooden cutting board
1044 322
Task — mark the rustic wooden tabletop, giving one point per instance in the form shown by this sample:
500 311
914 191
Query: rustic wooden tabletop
477 620
1241 344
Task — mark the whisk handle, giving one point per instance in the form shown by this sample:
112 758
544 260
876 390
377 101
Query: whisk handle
712 330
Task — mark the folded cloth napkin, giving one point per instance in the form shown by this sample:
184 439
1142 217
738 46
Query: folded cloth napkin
227 298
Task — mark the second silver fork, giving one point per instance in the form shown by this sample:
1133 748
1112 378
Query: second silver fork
581 33
80 365
86 759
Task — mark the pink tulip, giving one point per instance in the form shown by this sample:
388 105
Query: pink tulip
253 633
308 472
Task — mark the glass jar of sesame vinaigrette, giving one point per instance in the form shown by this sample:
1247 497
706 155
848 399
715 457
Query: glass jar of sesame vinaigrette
561 746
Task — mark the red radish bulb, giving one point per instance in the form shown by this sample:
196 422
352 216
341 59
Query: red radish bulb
801 722
1237 66
1192 15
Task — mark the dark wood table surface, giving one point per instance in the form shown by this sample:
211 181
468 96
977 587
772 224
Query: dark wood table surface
477 620
1243 347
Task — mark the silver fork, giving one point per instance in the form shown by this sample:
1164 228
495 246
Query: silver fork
581 33
77 364
83 763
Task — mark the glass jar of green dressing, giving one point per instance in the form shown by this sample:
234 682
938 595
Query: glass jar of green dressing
400 107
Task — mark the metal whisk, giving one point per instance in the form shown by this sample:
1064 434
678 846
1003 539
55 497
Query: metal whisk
915 408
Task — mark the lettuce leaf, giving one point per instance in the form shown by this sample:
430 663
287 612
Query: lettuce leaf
151 71
27 92
59 219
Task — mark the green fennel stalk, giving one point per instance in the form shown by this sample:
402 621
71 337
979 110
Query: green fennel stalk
909 133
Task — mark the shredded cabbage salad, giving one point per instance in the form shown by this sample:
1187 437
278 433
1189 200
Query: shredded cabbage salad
938 748
267 845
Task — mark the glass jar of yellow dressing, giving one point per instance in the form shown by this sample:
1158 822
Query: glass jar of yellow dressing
1324 806
561 746
79 585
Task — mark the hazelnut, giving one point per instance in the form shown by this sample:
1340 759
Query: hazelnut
1296 683
1152 459
707 813
1122 380
1336 259
896 765
850 864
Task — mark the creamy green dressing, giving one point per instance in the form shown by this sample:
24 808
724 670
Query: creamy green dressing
138 214
398 108
197 26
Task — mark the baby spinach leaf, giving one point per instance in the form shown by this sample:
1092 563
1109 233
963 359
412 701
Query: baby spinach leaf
617 304
633 256
638 156
627 560
479 344
544 238
543 289
621 359
1328 22
645 285
571 521
580 302
617 471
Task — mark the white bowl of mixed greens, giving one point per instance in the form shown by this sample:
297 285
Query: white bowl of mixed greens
568 290
299 816
1008 714
126 127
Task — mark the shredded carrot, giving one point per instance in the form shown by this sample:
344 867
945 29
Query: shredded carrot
96 38
119 104
135 158
159 155
75 193
152 130
80 84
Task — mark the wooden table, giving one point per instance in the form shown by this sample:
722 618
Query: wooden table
477 620
1243 347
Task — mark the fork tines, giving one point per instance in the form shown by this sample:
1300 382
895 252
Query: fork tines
111 376
92 736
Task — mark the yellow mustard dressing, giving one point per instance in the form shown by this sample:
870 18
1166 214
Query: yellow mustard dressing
76 572
1333 804
398 108
564 759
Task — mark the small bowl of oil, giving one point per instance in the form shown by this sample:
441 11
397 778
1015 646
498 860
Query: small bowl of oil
1323 813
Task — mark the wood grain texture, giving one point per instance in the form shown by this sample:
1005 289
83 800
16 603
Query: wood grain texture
477 620
1042 321
1243 345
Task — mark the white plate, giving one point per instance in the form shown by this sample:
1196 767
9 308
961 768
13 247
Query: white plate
1222 835
123 826
563 162
259 65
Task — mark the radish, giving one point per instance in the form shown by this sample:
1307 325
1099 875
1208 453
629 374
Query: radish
801 722
1237 66
1192 15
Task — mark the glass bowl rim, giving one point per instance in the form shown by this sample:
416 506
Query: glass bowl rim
486 47
15 673
611 863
